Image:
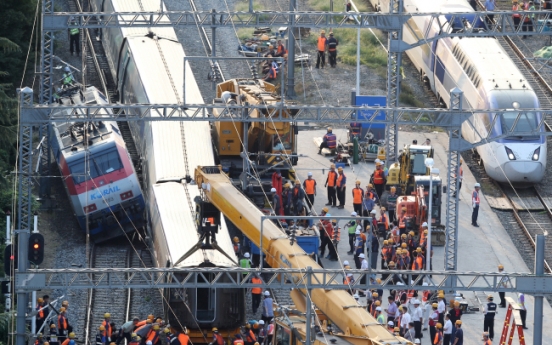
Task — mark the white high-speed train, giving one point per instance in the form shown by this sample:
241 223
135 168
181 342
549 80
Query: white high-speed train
147 64
489 79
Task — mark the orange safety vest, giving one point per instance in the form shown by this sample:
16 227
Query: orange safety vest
476 195
418 263
238 342
184 339
66 341
331 178
140 324
108 330
384 220
438 337
487 342
256 290
220 339
378 177
321 44
339 179
281 50
40 312
152 336
357 195
62 322
251 337
309 186
402 222
515 8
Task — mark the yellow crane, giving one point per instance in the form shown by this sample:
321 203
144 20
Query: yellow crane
219 191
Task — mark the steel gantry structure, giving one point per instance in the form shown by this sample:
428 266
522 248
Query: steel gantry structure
43 114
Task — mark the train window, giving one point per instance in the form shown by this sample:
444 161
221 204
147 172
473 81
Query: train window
82 172
100 163
205 302
107 161
527 122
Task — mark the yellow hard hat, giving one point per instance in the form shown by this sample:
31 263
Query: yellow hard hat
133 335
65 303
329 128
72 335
370 185
383 209
403 245
397 329
46 343
323 31
378 302
419 249
247 325
411 233
236 239
156 327
500 267
340 169
52 326
214 329
375 294
441 295
62 309
378 280
332 166
101 328
287 185
458 322
325 209
385 242
393 188
150 316
391 263
403 236
166 330
398 251
40 300
148 321
438 325
390 241
106 315
434 305
357 182
297 182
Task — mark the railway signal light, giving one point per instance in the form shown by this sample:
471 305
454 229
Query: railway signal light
36 248
10 260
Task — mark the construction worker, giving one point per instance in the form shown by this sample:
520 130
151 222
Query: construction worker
183 337
237 246
358 194
447 330
53 337
332 44
74 37
67 78
249 337
486 339
217 338
256 293
403 319
383 222
245 262
276 202
523 310
417 317
101 338
62 325
392 308
309 185
341 185
441 307
378 179
392 203
402 220
390 327
40 316
504 282
108 330
455 314
351 229
368 204
70 337
261 333
238 340
287 200
380 318
270 332
386 254
321 46
331 182
433 320
458 334
325 228
516 16
298 195
329 141
438 338
153 334
134 338
143 331
125 332
268 309
39 339
475 204
490 311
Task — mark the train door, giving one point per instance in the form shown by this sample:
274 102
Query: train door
205 302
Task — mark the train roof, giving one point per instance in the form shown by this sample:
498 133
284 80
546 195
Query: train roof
493 65
445 6
180 229
142 5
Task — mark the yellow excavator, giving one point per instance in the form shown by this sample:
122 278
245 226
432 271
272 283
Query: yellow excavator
411 163
271 146
358 326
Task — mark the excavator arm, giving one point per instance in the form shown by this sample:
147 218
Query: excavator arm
218 189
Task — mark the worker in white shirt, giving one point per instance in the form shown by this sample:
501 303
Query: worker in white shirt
405 319
447 330
441 307
417 318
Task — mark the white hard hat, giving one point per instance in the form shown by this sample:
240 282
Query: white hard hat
149 342
356 296
67 69
246 255
378 308
415 302
349 274
309 174
361 255
425 284
377 161
267 293
391 323
424 224
353 213
477 185
416 341
373 212
261 322
273 190
399 283
346 263
357 232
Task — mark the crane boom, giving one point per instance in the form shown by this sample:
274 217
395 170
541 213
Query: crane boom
220 192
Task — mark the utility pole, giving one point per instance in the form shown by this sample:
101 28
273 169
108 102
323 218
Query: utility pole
291 51
539 271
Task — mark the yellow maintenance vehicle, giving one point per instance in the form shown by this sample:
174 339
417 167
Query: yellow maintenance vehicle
218 191
270 146
411 163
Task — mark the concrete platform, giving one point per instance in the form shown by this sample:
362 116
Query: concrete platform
480 249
